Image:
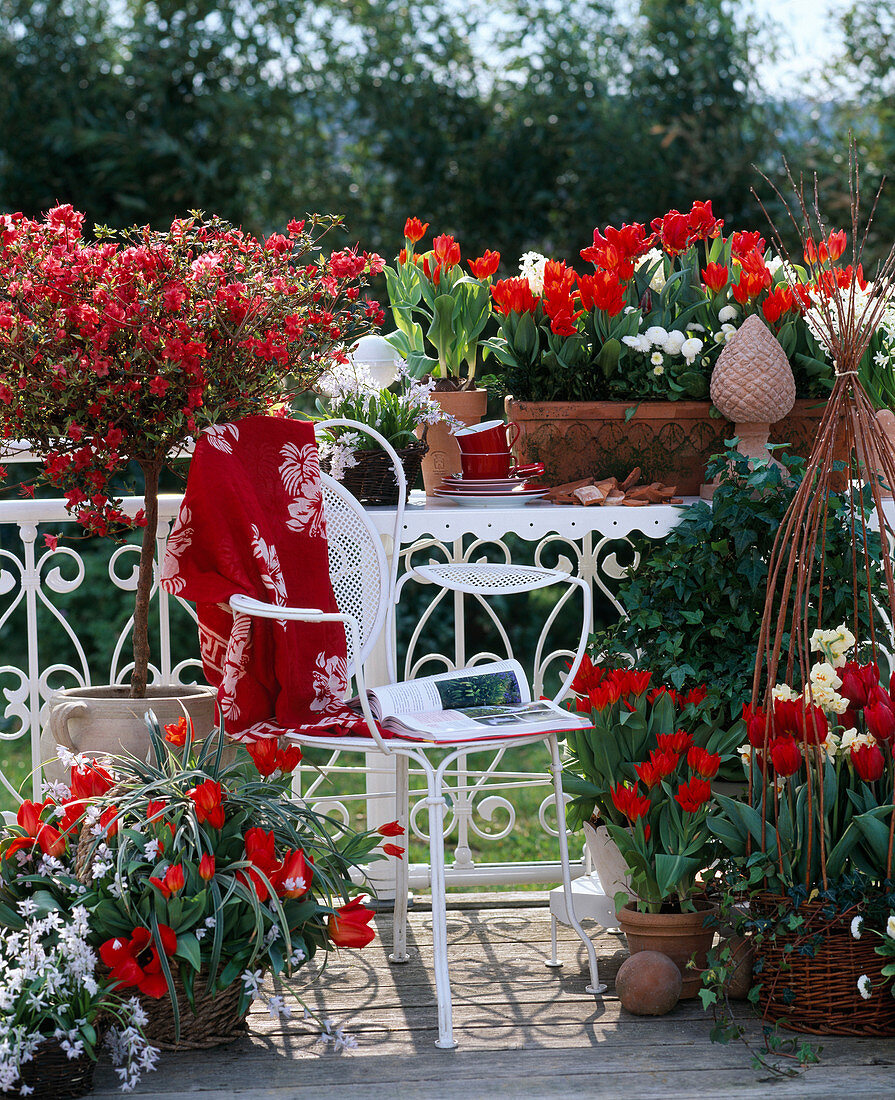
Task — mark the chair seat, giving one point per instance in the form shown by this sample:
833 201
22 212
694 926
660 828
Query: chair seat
401 744
488 578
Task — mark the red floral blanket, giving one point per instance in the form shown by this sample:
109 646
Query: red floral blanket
252 522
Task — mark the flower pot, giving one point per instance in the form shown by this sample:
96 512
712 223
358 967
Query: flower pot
608 861
444 454
671 441
818 993
52 1075
104 720
372 479
677 935
215 1021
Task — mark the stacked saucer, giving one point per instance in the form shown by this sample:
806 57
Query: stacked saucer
487 492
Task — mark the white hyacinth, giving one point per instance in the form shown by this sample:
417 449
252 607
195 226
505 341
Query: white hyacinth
531 267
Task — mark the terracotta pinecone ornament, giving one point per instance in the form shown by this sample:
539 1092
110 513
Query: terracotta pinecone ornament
753 385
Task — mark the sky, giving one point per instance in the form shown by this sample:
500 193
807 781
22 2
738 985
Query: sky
807 39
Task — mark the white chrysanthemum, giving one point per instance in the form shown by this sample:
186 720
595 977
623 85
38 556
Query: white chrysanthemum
865 987
656 335
656 359
890 926
856 926
658 370
728 313
674 342
691 348
637 343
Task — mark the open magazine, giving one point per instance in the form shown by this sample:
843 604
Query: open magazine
472 704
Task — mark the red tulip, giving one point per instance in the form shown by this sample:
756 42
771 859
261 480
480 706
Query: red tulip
785 755
89 781
207 798
391 828
690 796
674 232
629 802
293 880
880 721
415 230
602 291
647 774
664 761
175 732
349 926
677 742
853 686
702 221
172 883
289 759
28 816
745 241
869 762
264 755
485 265
715 277
513 296
836 243
703 762
206 867
260 851
135 961
447 251
393 850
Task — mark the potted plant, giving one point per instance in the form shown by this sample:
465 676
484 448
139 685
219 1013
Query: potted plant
398 412
119 350
645 770
812 840
440 313
610 370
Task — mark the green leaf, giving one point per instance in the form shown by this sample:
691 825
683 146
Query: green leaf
188 949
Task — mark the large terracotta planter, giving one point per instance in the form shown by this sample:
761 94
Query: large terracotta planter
608 861
671 441
104 720
444 454
677 935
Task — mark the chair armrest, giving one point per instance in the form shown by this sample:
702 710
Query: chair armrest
247 605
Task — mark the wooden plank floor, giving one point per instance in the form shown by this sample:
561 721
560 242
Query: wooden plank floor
523 1030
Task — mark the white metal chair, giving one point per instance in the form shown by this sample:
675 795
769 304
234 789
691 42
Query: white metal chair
364 583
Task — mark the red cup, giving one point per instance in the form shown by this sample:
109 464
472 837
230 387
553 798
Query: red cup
487 438
487 465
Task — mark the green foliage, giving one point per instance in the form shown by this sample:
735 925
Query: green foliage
695 603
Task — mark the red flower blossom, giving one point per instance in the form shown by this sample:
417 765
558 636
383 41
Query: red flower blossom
175 732
627 801
293 878
800 719
715 277
744 241
826 251
617 250
880 720
391 828
415 230
172 883
393 850
868 761
756 722
447 251
647 774
268 757
485 265
207 798
781 301
664 761
702 222
785 755
703 762
135 961
260 851
678 742
602 291
674 232
349 925
206 867
513 296
691 796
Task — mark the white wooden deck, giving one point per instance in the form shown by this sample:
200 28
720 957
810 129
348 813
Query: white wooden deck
523 1030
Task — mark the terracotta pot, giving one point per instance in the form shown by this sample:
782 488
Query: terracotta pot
671 441
608 861
444 454
104 720
677 935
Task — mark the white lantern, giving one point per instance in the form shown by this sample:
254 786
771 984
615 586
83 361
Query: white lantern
377 358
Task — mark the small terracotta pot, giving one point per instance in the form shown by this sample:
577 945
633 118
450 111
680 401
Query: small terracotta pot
677 935
444 454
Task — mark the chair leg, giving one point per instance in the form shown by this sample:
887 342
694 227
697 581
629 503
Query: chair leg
402 808
554 962
436 804
556 771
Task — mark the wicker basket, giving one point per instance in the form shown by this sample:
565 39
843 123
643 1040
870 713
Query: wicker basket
217 1019
818 994
54 1076
372 480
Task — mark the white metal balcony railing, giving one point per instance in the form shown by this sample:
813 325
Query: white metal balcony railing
43 651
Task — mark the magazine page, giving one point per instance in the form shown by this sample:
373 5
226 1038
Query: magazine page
476 723
500 683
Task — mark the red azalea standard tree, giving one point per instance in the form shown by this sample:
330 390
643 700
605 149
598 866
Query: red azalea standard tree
122 348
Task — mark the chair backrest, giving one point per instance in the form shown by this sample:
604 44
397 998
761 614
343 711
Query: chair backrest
361 574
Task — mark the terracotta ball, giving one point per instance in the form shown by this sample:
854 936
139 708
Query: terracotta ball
648 984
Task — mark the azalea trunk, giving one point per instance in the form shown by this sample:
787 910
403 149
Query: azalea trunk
151 473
